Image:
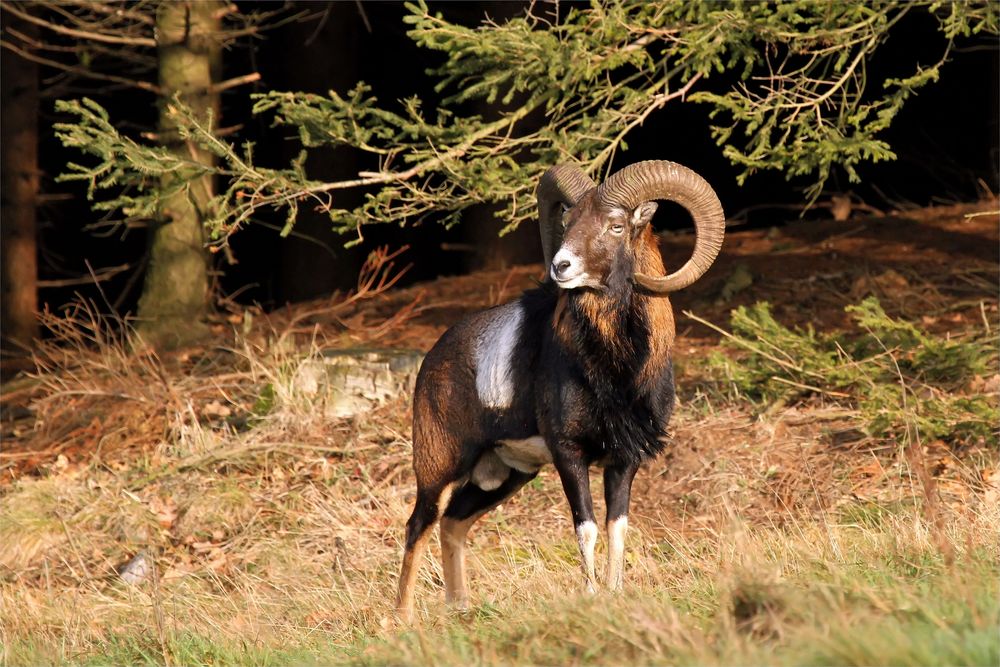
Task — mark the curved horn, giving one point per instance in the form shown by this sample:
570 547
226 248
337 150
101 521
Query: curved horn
660 179
561 184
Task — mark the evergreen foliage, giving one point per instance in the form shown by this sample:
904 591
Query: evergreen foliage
805 103
134 171
904 382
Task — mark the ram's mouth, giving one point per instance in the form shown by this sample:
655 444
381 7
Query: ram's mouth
577 281
570 283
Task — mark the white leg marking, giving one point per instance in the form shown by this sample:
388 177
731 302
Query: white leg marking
444 499
616 552
586 537
494 349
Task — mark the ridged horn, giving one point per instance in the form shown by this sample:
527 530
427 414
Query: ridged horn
660 179
561 184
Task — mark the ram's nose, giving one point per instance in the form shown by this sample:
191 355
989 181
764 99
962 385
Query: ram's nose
560 269
566 267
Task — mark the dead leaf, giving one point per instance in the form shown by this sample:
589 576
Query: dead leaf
217 560
216 409
888 284
840 206
202 547
165 511
991 480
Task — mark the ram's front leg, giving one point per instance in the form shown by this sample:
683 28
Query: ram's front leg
617 490
575 476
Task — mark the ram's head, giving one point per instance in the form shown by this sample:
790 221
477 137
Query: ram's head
592 234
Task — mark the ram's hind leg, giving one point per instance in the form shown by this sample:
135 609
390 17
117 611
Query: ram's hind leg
467 506
428 509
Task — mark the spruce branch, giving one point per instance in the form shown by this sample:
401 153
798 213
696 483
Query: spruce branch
805 104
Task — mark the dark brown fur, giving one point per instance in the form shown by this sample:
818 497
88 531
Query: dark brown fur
593 377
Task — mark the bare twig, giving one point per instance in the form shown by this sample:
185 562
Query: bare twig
234 82
81 71
970 216
119 10
808 387
80 34
375 277
104 274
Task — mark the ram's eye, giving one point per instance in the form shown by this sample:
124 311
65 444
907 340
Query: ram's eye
617 228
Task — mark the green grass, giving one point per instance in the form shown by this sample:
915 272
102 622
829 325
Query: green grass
182 649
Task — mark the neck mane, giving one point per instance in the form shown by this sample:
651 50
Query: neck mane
620 333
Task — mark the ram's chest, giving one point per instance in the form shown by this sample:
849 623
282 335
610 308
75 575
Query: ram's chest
613 418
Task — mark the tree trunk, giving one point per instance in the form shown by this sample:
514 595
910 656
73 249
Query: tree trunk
174 301
480 226
306 269
18 192
494 252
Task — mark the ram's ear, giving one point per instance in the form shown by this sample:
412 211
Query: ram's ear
643 213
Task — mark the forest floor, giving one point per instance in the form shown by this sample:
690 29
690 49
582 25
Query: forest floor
774 531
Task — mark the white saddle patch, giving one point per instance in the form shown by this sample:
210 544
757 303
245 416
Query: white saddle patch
526 455
494 372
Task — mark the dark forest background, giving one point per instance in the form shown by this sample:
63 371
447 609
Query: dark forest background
946 140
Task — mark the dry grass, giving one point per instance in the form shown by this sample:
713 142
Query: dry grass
291 555
760 538
279 541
